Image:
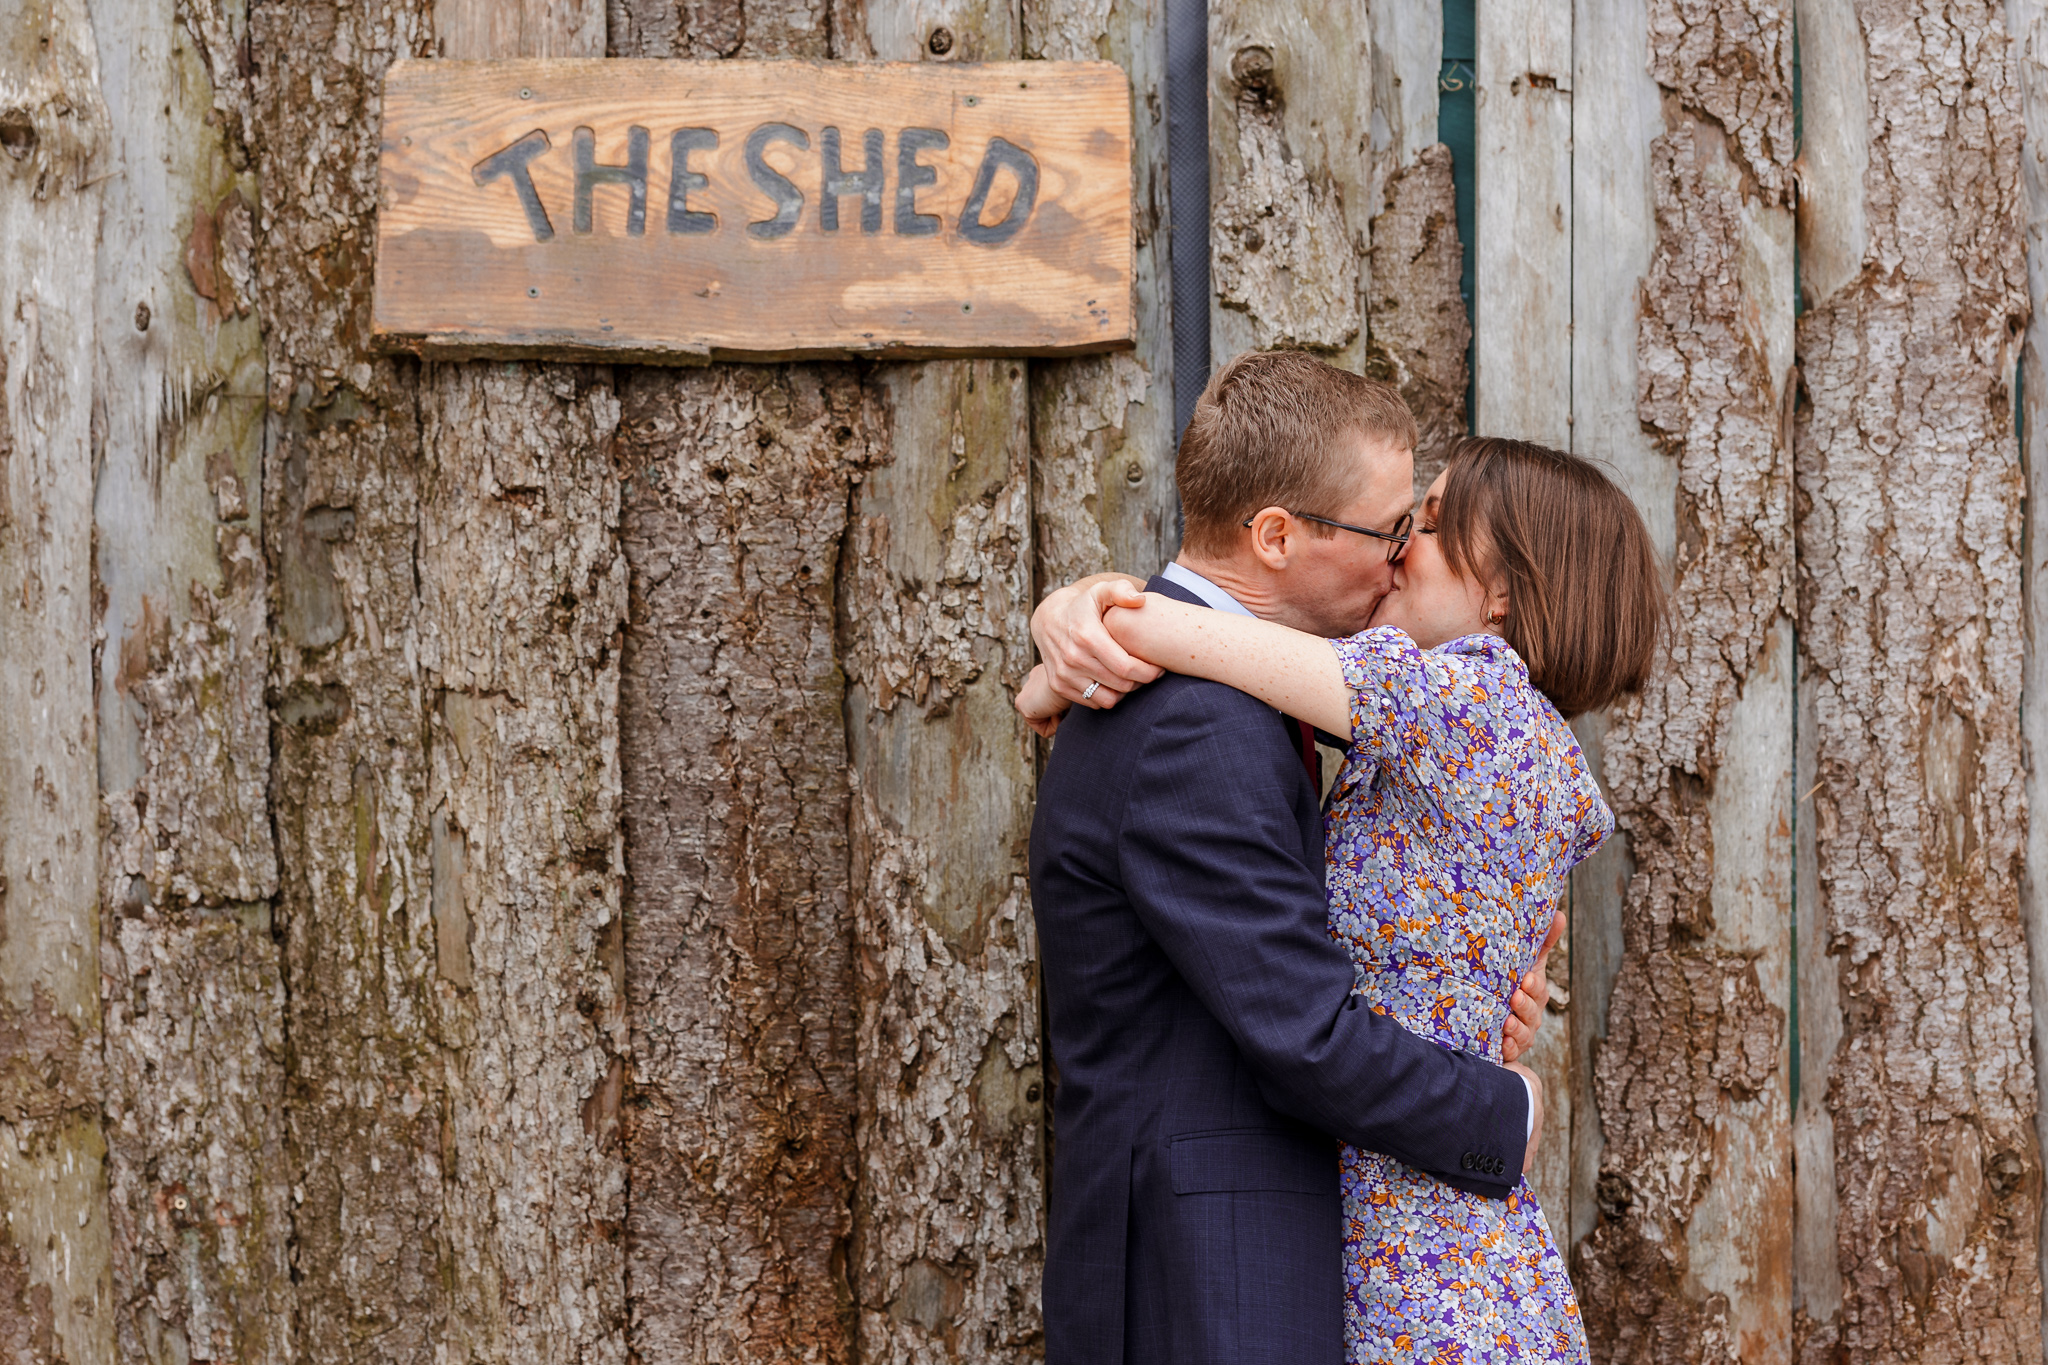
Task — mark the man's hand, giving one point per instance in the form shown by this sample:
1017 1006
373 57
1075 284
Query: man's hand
1536 1127
1525 1009
1079 650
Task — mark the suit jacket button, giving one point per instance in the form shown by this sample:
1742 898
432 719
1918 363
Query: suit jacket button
1499 1167
1465 1161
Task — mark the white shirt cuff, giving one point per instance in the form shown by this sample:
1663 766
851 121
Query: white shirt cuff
1532 1108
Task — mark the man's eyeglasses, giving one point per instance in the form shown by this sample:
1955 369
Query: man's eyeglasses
1397 539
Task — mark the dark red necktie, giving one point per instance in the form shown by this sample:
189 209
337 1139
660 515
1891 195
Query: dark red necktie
1310 759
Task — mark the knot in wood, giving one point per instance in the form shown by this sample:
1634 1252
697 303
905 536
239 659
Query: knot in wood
1252 69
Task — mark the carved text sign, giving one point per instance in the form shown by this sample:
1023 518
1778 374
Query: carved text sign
657 210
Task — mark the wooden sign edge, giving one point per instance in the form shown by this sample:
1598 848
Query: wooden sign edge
461 346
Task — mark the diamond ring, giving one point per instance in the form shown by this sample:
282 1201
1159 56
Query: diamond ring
1089 690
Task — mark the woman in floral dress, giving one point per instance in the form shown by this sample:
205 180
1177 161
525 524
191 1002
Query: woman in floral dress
1527 594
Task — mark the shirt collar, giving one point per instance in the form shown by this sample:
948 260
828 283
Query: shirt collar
1201 587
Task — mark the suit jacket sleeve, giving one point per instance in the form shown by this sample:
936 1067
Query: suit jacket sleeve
1212 856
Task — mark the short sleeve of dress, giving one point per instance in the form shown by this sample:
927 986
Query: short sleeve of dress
1384 672
1596 821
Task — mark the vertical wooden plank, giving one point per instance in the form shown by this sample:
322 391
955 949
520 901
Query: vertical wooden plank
1524 387
1909 529
55 1300
1690 1257
1290 166
1523 384
1417 331
476 29
739 943
948 1212
1102 486
192 978
949 1204
738 946
2028 22
448 590
1615 118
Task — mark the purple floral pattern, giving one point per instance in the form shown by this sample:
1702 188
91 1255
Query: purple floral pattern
1462 805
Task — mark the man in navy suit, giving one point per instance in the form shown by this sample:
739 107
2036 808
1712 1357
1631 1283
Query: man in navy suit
1208 1045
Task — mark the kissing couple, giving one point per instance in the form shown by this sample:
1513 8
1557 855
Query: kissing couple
1289 1127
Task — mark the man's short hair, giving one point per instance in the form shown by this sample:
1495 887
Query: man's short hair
1275 429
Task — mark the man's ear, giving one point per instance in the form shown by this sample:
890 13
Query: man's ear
1272 536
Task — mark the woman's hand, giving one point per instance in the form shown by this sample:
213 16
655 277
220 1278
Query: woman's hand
1078 650
1037 704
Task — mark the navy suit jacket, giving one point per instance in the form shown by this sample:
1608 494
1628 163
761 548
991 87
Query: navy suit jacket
1209 1048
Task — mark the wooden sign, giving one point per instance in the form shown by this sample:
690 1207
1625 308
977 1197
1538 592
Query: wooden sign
679 211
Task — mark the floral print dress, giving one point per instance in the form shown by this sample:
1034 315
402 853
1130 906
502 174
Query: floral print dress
1462 805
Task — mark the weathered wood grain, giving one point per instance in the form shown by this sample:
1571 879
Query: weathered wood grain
1102 488
1522 384
191 977
1524 291
1910 619
1290 160
1018 242
56 1300
1417 333
1615 118
482 29
739 951
2028 22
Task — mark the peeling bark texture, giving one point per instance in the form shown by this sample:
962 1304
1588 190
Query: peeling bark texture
1290 156
741 1126
948 1213
708 29
1102 426
1419 333
1732 64
1909 603
447 595
55 1294
1691 1080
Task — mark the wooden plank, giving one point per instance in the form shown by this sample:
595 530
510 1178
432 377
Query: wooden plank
55 1295
1524 291
448 593
1103 495
479 29
949 1211
1911 624
1522 387
1692 1247
1019 241
1290 166
1615 117
192 977
2028 20
739 944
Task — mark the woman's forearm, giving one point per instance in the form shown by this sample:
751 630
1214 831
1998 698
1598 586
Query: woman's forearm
1289 669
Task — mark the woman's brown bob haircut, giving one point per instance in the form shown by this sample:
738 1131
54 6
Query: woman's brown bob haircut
1585 598
1277 429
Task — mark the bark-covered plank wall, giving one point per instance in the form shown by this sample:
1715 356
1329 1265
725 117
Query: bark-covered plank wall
524 861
